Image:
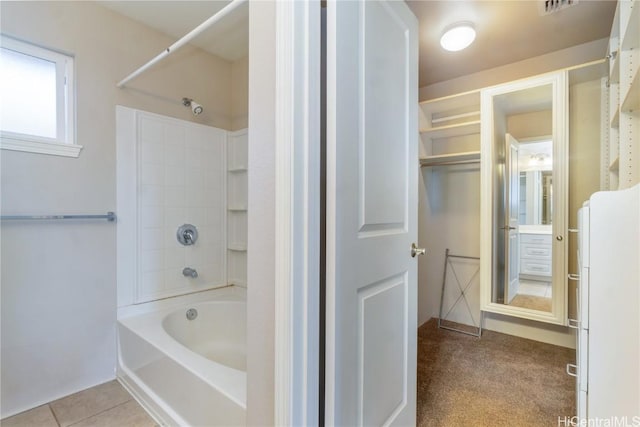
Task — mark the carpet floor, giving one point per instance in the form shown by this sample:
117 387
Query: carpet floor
498 380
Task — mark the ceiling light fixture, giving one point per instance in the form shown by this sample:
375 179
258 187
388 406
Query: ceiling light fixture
458 36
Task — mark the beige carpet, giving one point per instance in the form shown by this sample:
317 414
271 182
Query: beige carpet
531 301
498 380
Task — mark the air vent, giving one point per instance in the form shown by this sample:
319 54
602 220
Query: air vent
548 7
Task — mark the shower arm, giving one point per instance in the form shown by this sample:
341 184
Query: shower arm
184 40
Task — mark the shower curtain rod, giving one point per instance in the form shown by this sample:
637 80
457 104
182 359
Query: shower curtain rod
184 40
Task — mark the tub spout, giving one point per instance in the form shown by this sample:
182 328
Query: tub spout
189 272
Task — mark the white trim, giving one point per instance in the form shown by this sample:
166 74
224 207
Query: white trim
64 142
560 91
297 213
31 144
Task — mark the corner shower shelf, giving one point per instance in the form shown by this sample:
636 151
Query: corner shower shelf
451 159
237 247
237 169
237 282
237 209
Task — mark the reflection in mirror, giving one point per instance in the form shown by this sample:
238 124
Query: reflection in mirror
524 180
534 162
523 204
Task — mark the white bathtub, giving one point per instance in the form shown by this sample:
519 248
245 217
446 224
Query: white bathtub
187 372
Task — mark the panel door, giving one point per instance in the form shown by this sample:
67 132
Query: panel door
512 216
372 178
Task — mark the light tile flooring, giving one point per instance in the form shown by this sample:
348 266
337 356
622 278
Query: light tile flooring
535 288
105 405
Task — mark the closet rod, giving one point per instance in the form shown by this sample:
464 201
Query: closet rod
184 40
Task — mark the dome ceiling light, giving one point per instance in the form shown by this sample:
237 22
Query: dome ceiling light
458 36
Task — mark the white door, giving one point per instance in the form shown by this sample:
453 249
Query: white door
372 178
512 249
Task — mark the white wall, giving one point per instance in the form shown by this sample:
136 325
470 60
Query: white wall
240 94
449 217
59 280
579 54
261 215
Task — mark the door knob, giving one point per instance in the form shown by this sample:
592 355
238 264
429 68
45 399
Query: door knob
416 250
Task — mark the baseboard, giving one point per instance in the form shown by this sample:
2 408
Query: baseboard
530 329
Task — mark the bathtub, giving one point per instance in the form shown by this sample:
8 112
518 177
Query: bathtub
187 372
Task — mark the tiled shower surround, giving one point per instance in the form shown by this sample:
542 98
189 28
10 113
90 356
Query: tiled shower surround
181 179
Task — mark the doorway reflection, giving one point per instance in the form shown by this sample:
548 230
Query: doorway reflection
532 244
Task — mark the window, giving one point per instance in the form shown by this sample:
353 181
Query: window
37 99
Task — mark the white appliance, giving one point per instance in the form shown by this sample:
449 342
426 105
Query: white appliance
608 338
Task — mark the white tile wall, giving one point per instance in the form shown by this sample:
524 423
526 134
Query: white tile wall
182 176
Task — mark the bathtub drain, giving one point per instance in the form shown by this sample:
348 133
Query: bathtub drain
192 313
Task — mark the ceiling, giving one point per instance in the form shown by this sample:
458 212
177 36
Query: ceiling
508 31
229 38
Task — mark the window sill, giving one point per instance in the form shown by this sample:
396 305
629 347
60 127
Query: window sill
40 147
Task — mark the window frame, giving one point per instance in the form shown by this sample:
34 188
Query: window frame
64 144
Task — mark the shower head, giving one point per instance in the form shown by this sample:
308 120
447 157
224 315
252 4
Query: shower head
195 107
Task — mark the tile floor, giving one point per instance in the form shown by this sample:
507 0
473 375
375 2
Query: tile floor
105 405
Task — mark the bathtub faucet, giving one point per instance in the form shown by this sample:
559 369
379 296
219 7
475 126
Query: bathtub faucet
189 272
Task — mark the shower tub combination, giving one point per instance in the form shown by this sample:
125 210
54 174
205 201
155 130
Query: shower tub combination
187 365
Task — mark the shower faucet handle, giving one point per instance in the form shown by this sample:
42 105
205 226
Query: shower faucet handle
189 272
187 234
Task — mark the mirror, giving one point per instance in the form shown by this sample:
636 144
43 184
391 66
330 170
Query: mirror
523 202
535 161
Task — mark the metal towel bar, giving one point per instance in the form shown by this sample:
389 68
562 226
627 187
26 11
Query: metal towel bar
110 216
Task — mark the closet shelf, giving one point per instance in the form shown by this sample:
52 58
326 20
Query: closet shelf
461 129
615 165
615 120
632 99
631 36
451 102
451 159
452 117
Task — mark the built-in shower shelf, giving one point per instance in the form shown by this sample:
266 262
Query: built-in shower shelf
237 247
237 282
237 208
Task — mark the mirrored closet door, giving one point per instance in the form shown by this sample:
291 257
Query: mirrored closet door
524 201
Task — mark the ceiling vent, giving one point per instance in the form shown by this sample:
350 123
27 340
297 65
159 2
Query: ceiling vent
547 7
